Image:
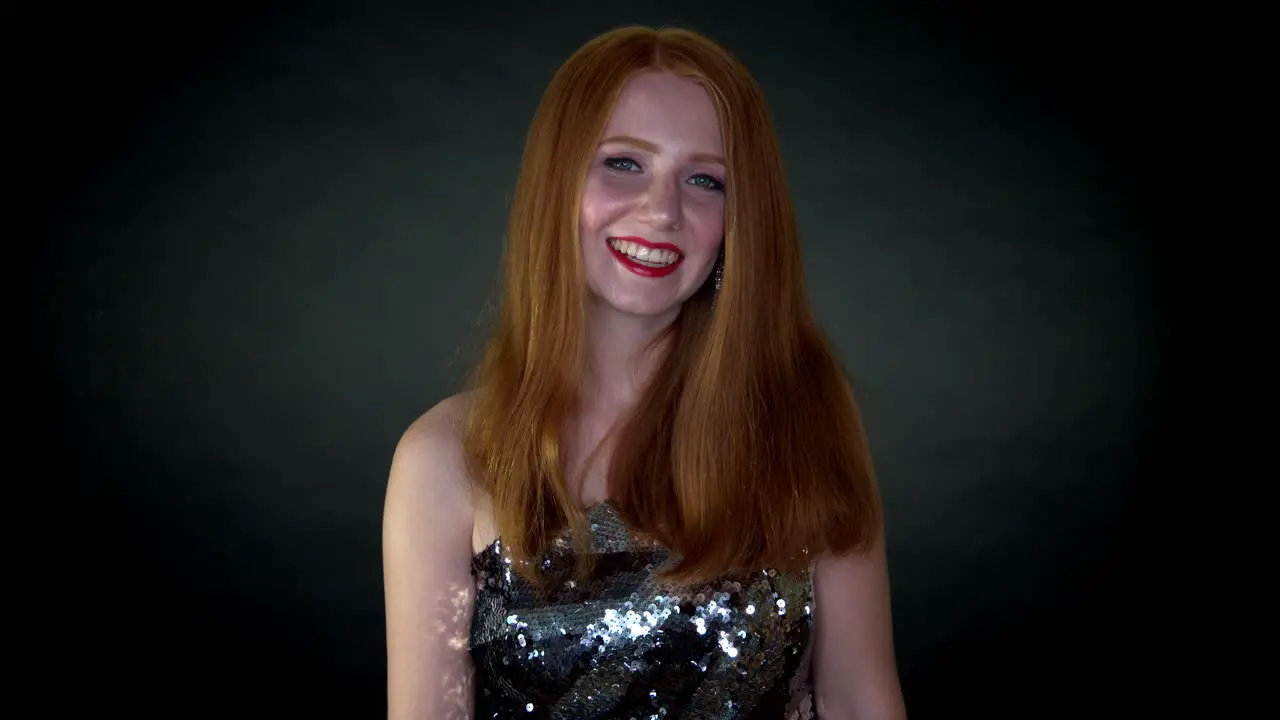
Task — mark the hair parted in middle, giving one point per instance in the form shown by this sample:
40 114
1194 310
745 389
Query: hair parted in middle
747 449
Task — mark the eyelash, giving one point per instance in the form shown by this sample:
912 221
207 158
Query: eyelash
612 162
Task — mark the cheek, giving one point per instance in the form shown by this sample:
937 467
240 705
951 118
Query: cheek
707 225
589 217
601 205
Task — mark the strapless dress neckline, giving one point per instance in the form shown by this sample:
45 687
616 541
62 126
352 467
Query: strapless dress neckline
620 643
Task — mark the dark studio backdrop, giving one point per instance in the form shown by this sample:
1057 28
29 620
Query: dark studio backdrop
273 231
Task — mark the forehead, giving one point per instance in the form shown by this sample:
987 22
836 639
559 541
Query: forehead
667 110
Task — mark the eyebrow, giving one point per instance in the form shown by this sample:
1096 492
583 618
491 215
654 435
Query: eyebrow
656 149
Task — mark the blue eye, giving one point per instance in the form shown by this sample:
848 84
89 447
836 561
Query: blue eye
621 163
708 182
626 164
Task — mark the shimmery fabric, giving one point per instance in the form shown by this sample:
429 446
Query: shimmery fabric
622 645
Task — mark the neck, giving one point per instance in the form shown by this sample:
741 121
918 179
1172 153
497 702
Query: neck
618 362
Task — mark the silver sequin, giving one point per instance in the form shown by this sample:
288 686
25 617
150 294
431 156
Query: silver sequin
624 645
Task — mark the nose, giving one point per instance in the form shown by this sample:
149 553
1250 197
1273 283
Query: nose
661 207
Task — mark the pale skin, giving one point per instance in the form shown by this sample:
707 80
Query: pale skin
658 174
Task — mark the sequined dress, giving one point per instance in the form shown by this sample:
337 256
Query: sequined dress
622 645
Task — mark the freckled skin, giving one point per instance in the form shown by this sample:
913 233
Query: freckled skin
668 194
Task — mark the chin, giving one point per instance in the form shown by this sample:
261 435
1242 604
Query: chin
639 307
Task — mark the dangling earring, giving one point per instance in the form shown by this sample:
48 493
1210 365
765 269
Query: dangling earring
719 273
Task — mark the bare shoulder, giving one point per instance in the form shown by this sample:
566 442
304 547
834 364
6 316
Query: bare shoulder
435 438
439 428
428 464
426 545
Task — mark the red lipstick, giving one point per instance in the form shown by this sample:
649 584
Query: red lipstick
644 270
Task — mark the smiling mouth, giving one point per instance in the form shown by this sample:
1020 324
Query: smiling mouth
646 255
644 258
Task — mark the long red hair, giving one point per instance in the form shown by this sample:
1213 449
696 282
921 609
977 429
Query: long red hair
747 449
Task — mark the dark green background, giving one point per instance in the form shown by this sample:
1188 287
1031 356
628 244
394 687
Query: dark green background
274 234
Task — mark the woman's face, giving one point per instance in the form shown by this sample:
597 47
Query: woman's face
652 215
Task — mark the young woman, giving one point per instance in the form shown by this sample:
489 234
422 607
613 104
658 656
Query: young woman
656 499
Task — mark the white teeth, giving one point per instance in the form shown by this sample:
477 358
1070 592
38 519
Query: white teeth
645 256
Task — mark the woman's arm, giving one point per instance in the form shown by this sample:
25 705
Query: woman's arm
855 671
426 548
